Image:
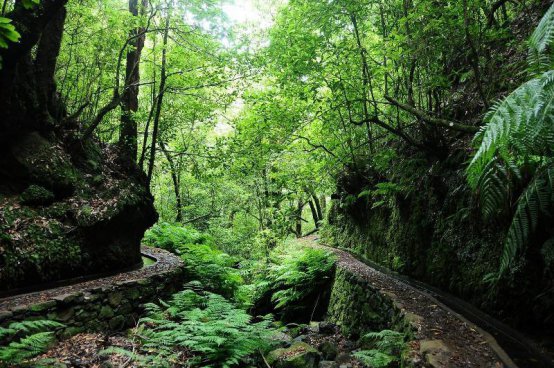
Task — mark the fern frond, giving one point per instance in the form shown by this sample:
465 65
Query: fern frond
536 200
541 39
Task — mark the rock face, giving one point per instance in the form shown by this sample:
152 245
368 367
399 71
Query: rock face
68 208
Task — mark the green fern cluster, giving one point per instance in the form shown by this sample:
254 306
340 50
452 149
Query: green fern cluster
198 329
296 275
516 149
21 341
203 262
386 349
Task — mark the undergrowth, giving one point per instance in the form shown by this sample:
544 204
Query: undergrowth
385 349
21 341
197 328
203 262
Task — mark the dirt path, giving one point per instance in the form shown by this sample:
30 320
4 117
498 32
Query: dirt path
443 337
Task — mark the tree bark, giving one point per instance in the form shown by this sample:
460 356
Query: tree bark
314 213
159 102
23 93
128 137
176 185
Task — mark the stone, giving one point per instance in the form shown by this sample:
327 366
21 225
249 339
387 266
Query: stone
117 323
436 353
327 364
299 355
106 312
65 315
343 358
68 298
4 315
281 339
132 294
43 306
35 195
71 331
327 328
345 365
115 298
313 327
329 350
300 338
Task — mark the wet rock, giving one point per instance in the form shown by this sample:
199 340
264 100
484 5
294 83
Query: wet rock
106 312
327 328
436 353
281 339
299 355
300 338
329 350
327 364
117 323
313 327
344 358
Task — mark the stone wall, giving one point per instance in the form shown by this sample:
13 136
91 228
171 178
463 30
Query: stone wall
358 307
111 303
365 300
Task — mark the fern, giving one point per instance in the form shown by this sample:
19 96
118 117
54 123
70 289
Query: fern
295 276
199 328
519 137
541 39
25 340
386 346
535 201
203 262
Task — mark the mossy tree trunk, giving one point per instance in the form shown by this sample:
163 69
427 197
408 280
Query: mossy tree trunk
28 98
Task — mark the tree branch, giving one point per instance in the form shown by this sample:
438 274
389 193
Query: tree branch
443 123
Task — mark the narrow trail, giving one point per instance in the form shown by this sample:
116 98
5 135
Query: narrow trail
457 341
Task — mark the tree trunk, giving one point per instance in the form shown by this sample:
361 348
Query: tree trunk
298 218
314 213
129 103
26 82
318 207
176 185
45 68
159 102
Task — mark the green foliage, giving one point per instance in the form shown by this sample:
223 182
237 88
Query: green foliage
7 33
203 262
516 149
199 329
387 348
297 274
25 340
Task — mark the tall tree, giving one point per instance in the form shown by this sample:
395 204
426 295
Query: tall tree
129 102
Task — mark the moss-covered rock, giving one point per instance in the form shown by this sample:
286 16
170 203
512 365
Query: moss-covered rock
299 355
36 195
68 209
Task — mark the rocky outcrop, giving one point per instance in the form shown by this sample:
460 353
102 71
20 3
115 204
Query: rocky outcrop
67 208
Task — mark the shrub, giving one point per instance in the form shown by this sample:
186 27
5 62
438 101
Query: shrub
295 282
198 329
203 262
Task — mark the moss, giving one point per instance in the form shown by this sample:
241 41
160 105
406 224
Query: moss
36 195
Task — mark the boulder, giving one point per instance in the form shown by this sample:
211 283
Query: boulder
327 364
329 350
327 328
299 355
56 220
